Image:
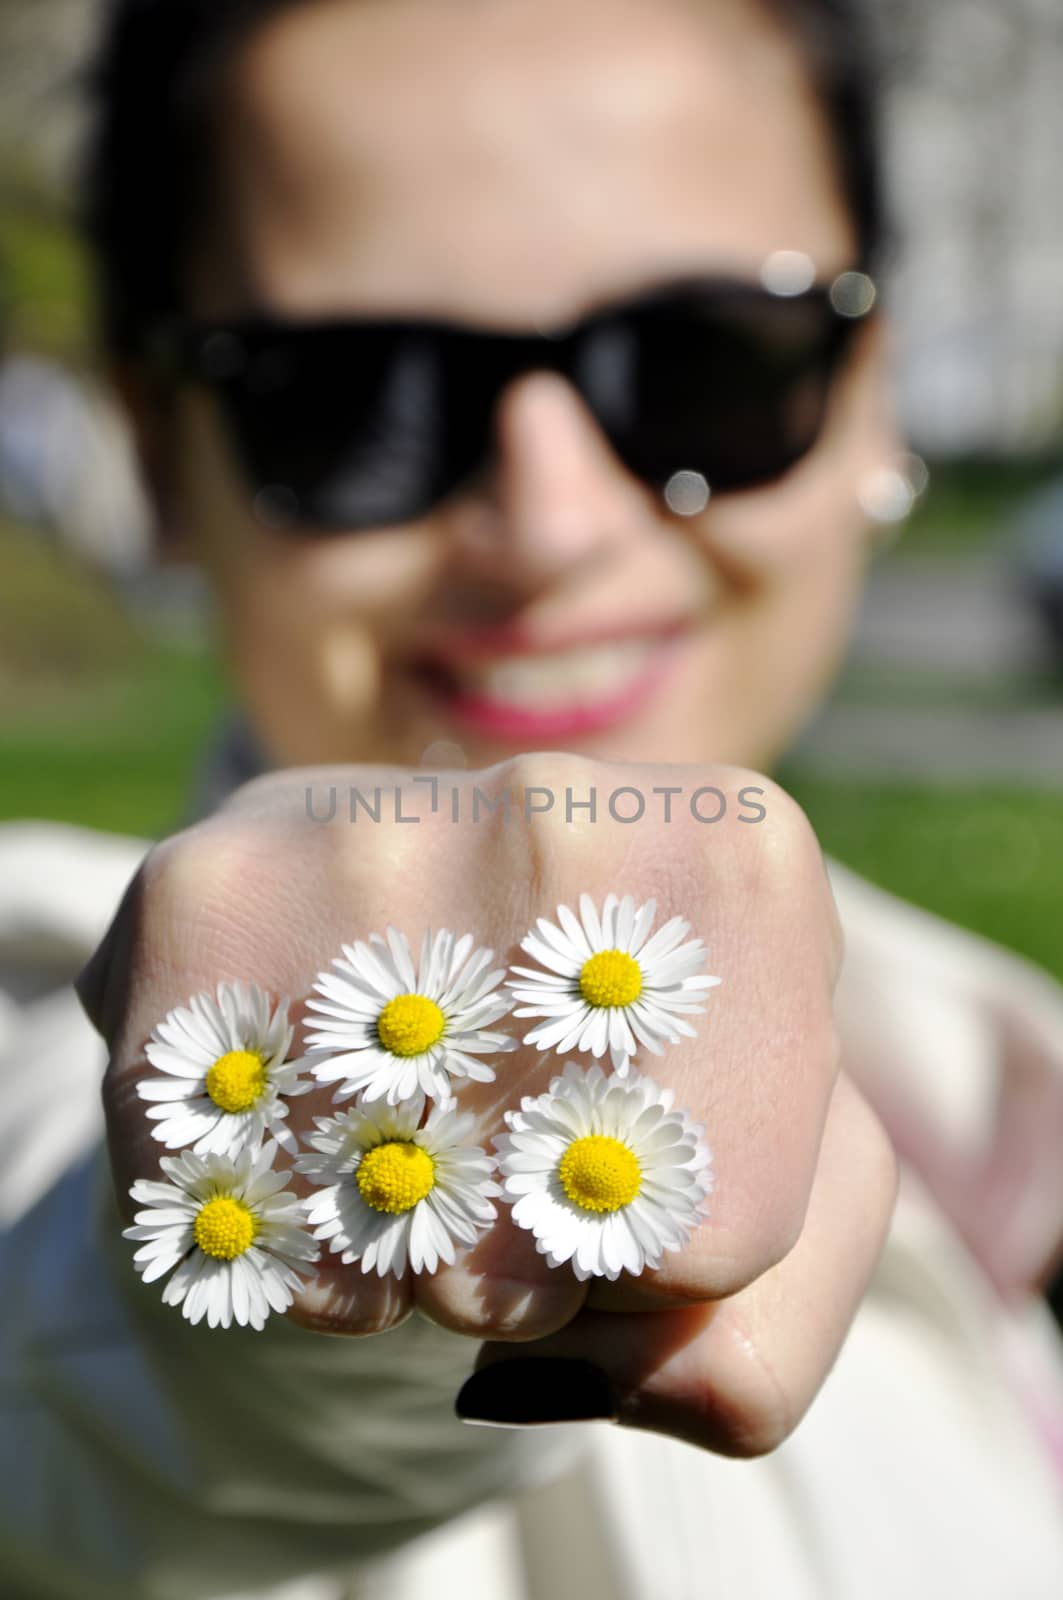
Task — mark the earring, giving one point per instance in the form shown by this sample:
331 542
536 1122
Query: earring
889 494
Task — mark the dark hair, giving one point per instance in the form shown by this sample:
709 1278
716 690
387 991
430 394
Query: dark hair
148 169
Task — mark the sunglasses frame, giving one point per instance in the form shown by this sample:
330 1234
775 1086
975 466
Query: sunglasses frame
216 355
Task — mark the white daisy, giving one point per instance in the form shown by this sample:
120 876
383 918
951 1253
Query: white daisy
386 1030
609 985
235 1229
228 1078
396 1190
603 1172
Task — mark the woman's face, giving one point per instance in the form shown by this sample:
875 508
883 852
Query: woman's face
515 163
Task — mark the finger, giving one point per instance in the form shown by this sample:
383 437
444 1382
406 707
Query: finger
343 1300
758 1075
736 1376
504 1285
211 903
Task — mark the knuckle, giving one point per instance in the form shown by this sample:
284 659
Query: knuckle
172 878
517 1314
735 1406
197 866
347 1306
548 768
206 897
195 913
761 1431
381 830
494 1305
553 833
786 848
737 828
758 1415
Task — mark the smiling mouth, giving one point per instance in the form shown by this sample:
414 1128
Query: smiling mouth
563 692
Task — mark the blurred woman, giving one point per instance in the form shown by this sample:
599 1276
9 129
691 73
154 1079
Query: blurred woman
516 373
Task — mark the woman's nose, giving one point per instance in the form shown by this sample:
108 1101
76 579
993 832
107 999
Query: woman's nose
555 495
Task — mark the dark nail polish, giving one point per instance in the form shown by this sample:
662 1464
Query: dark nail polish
521 1393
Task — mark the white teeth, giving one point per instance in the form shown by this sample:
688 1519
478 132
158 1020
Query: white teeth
567 678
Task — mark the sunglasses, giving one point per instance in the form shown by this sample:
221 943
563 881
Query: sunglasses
342 425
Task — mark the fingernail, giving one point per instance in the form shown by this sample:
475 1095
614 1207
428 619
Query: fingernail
521 1393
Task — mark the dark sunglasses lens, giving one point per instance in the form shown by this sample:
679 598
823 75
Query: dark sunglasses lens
732 385
340 428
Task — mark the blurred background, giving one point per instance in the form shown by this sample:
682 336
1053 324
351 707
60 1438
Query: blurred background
937 767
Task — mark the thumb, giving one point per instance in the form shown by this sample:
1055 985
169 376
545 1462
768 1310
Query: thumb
733 1375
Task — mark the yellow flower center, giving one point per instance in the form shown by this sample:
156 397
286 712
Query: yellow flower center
409 1024
236 1080
599 1174
225 1228
395 1177
610 978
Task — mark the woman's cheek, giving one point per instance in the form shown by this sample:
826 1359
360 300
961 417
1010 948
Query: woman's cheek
304 672
349 672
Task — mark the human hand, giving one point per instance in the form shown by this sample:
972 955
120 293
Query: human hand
728 1340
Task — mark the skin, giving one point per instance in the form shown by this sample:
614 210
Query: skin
697 121
727 1342
500 186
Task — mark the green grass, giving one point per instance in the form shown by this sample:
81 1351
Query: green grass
970 505
118 756
100 722
44 275
897 685
988 858
61 626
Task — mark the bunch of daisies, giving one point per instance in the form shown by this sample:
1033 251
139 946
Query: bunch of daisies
601 1168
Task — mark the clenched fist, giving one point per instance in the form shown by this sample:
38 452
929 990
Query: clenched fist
727 1341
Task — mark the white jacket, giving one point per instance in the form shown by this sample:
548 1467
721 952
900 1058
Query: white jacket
142 1459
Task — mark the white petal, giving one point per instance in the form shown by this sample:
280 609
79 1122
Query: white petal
592 927
625 923
566 963
574 930
399 947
